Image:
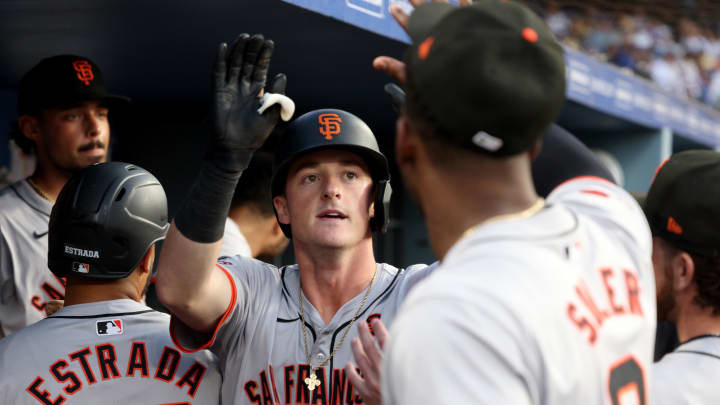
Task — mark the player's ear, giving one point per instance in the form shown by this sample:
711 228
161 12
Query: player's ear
281 208
405 142
535 150
146 263
29 126
683 268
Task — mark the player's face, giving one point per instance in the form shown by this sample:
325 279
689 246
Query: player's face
73 137
328 199
661 257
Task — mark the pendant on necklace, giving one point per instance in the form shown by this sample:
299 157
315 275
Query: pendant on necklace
312 382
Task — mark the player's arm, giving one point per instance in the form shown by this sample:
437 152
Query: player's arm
563 157
188 282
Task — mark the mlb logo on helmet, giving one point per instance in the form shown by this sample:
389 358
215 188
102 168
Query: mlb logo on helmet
109 327
78 267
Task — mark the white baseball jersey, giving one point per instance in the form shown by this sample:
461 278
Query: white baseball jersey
689 374
26 283
109 352
556 308
259 340
234 242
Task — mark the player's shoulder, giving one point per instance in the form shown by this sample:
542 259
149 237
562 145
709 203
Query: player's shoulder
249 270
9 197
608 205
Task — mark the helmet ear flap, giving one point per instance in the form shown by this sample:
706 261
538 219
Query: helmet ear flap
382 207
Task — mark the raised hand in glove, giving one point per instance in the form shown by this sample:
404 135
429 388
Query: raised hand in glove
239 81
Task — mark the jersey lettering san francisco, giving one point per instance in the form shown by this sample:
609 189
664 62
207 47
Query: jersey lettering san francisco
259 340
26 283
109 352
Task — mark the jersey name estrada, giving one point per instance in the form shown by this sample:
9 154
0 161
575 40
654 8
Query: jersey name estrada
110 352
26 283
259 340
557 308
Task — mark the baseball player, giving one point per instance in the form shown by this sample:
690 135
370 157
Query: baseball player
63 120
535 301
683 210
104 345
283 335
251 229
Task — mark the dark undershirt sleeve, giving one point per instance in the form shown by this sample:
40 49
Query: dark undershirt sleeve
564 157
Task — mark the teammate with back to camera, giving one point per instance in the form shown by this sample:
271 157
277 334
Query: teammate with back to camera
283 334
105 345
535 301
683 209
63 120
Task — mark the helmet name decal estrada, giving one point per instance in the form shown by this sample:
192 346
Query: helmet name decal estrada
329 125
82 252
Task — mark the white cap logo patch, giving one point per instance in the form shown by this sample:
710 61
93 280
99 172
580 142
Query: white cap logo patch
80 268
487 141
109 327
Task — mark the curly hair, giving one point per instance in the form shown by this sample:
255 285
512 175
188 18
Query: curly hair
707 278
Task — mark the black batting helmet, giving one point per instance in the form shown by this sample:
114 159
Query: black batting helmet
334 129
104 221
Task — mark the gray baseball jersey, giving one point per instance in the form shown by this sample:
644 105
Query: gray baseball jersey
259 340
688 375
26 283
555 308
234 242
108 352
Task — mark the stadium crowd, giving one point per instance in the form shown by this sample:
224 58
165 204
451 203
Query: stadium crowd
673 47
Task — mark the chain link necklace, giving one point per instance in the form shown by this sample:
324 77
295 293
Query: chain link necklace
526 213
39 190
313 382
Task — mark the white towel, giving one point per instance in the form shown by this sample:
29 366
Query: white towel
287 106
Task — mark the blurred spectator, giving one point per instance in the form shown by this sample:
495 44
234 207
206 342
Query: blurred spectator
669 44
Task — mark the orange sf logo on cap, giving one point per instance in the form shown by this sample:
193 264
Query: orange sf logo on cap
329 124
84 71
424 48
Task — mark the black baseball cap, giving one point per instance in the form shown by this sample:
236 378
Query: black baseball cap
491 74
62 80
683 203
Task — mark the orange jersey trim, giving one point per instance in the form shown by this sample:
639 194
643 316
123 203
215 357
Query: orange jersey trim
228 311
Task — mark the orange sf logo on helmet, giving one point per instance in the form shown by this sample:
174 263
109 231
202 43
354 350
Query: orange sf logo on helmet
329 124
84 71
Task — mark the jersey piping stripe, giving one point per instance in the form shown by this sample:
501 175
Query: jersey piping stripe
28 202
287 294
344 325
281 320
696 352
100 315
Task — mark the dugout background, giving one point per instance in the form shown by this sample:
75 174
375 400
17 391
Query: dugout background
160 53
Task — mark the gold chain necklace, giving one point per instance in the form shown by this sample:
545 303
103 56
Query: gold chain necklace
39 190
528 212
312 382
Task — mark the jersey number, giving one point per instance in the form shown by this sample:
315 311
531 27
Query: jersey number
626 379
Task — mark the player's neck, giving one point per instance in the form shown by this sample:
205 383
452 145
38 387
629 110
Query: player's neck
49 180
471 201
696 321
251 223
331 278
83 291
